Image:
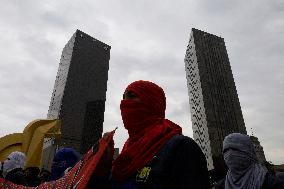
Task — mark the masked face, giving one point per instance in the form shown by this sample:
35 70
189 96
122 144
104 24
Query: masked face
237 161
135 115
143 104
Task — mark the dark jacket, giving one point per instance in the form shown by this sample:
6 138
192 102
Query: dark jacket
16 176
33 181
180 164
32 176
270 182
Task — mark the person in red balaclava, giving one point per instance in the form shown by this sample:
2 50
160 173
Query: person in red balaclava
156 154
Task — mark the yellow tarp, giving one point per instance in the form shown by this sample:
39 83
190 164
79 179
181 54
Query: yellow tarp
10 143
34 153
29 132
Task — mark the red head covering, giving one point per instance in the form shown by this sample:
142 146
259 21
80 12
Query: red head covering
147 127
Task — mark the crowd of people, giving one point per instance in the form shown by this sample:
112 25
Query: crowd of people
155 156
13 170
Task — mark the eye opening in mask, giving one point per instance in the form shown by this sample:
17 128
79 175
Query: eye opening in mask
129 95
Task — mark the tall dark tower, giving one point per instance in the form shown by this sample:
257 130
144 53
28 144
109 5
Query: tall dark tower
214 104
79 94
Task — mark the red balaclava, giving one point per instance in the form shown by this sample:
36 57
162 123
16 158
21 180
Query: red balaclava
147 128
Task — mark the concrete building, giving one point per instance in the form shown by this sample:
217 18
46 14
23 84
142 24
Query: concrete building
214 104
79 94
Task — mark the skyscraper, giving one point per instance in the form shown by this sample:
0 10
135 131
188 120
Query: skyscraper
79 94
214 104
258 149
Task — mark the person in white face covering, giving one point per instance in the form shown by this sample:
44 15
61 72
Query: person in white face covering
244 171
13 168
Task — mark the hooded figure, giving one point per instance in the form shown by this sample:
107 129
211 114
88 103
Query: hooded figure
44 176
156 153
244 171
64 158
32 176
13 168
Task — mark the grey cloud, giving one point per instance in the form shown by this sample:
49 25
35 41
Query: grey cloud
148 40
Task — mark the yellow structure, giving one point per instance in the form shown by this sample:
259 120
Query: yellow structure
30 141
10 143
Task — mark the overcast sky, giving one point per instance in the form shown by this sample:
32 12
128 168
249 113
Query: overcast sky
148 40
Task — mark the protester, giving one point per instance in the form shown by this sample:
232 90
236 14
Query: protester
156 154
13 168
63 159
44 175
32 176
244 171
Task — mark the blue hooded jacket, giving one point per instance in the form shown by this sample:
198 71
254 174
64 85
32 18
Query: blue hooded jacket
63 159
